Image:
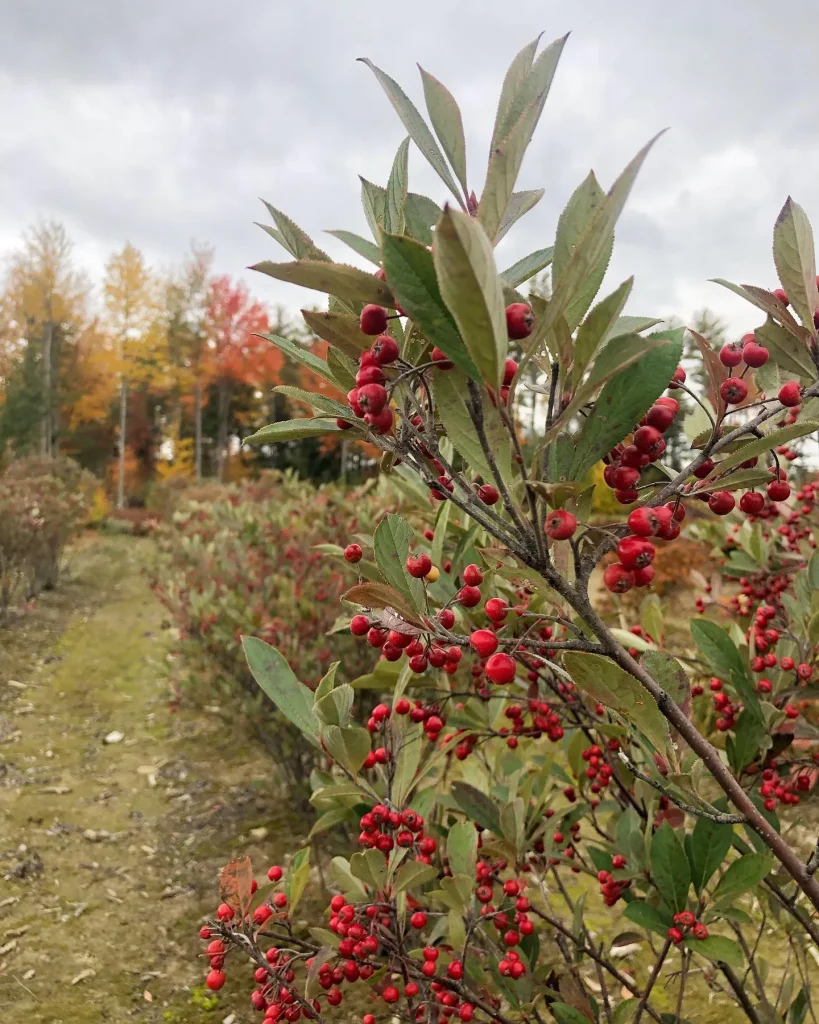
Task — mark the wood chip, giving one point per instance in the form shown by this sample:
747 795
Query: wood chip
56 790
16 933
9 946
87 973
29 974
7 902
17 684
146 995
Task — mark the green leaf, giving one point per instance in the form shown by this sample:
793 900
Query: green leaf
296 241
290 430
296 877
397 190
630 325
717 948
594 329
471 288
669 867
342 368
760 445
334 708
363 246
668 672
769 304
416 126
270 670
565 1014
451 397
439 537
644 915
795 260
374 201
785 351
311 986
349 746
391 544
303 355
412 873
330 819
349 884
707 847
509 106
523 107
613 687
411 272
519 203
370 867
333 278
340 329
526 268
319 403
742 875
477 806
422 215
446 120
586 200
621 404
750 735
720 651
406 763
462 848
379 595
624 1014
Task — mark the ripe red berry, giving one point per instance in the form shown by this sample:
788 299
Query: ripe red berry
446 617
618 861
455 970
519 320
755 355
385 349
752 502
381 422
510 368
778 490
496 609
730 354
215 980
280 901
642 522
721 503
559 524
646 439
733 391
353 553
678 378
488 494
660 416
469 596
790 394
618 579
635 552
700 931
369 373
441 359
225 912
624 477
418 919
372 397
782 295
419 565
390 994
359 624
484 641
402 706
472 575
500 669
786 663
373 319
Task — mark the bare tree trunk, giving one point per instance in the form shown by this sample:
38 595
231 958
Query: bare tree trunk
123 423
222 434
47 429
197 418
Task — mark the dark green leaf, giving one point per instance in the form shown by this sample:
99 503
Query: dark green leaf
760 445
477 806
410 269
717 948
742 875
565 1014
289 430
333 278
644 915
669 673
749 737
669 867
391 544
451 396
270 670
707 847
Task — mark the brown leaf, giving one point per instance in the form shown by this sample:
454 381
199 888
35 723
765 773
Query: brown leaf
235 880
714 369
571 992
379 595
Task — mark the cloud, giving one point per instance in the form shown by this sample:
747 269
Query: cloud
162 123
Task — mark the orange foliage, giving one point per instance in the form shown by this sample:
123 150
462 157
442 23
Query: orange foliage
234 321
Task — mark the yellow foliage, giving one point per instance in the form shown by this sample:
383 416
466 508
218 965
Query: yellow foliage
182 464
100 508
604 500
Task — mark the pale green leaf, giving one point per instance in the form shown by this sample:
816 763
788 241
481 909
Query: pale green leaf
363 246
397 190
271 671
445 116
289 430
527 267
296 241
795 260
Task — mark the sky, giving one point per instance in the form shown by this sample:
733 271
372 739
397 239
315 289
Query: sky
162 122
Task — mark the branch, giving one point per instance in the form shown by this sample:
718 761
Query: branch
719 817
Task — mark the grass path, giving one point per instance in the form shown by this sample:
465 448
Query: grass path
109 851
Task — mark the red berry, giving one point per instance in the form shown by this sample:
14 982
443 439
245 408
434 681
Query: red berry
790 394
359 624
778 490
215 980
371 373
488 494
447 618
700 931
496 609
469 596
646 439
642 522
519 320
509 370
500 669
380 422
755 355
618 861
353 553
731 354
559 525
225 912
782 295
385 349
418 919
455 970
440 359
635 552
721 502
618 579
661 417
484 641
372 397
419 565
751 502
390 994
733 391
675 935
402 706
373 319
472 575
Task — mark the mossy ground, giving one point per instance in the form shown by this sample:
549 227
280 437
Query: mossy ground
109 853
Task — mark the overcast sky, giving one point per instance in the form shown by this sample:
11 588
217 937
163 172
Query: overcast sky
162 121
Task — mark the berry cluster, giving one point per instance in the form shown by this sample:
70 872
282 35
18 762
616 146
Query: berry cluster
686 924
623 463
611 888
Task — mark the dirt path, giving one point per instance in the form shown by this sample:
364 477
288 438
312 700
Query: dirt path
109 850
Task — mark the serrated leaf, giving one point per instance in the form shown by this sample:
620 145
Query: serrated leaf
594 329
397 190
332 278
379 595
795 260
717 948
786 352
297 242
586 200
391 544
471 288
271 671
319 403
707 847
768 303
411 271
422 215
631 325
742 875
342 368
508 106
477 806
519 204
445 116
363 246
623 401
374 201
416 126
669 867
760 445
527 267
340 329
451 398
290 430
303 355
613 687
